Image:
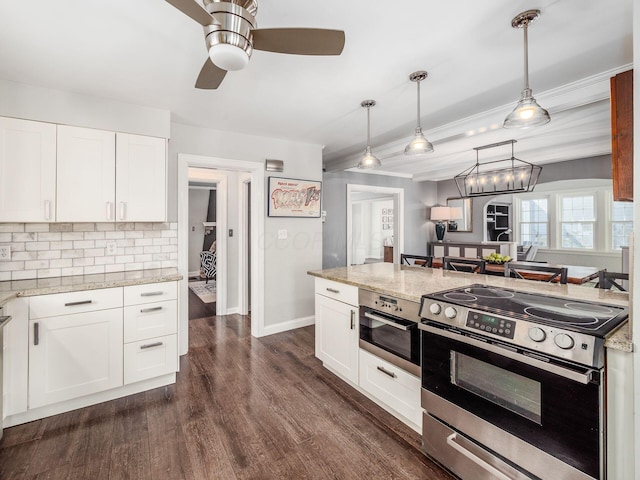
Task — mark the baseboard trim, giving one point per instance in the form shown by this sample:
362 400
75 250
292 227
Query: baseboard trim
288 325
233 311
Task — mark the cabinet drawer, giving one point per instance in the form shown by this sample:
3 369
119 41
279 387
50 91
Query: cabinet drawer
74 302
338 291
150 320
397 388
150 293
150 358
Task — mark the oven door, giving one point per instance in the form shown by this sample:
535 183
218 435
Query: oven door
395 339
551 406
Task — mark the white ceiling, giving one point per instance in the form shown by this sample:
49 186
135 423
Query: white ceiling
148 53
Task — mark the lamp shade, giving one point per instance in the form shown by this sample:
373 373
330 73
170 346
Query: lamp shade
440 213
527 113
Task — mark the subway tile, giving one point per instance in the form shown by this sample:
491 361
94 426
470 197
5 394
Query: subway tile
48 254
5 276
49 272
152 249
94 252
9 266
161 226
94 270
23 274
67 272
36 264
125 226
173 241
142 258
5 237
17 256
170 233
31 246
160 256
61 227
17 247
83 244
169 264
125 242
105 260
84 227
133 266
94 235
117 267
161 241
124 258
173 256
173 226
133 234
143 226
73 236
153 234
134 250
61 263
169 248
11 227
105 227
49 236
151 265
143 242
72 253
113 235
101 243
83 262
64 245
36 227
23 237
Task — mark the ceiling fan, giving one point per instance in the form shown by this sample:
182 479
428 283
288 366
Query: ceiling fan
231 36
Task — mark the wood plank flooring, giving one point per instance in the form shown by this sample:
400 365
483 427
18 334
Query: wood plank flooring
242 408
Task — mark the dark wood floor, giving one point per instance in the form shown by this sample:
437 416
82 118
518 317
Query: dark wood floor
199 309
241 408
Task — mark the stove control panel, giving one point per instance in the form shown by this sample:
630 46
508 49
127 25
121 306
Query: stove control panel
490 324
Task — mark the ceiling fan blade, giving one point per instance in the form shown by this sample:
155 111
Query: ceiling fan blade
193 10
299 41
210 76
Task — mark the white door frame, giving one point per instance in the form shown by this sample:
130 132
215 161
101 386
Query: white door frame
244 182
398 223
258 207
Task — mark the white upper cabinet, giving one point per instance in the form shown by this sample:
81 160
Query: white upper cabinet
141 178
27 171
86 175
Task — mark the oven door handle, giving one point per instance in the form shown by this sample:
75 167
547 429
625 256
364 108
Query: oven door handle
387 322
584 378
453 441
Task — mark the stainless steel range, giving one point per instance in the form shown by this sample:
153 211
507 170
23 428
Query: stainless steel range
513 383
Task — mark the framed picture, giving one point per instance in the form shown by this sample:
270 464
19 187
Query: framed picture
290 197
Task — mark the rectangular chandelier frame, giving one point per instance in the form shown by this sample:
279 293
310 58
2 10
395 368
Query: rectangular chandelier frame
509 175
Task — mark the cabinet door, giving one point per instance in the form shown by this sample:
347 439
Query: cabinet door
150 358
337 336
141 178
74 355
622 135
27 171
86 175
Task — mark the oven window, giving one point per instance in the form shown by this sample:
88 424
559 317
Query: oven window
514 392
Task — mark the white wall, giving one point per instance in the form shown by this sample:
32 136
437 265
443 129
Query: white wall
198 207
289 292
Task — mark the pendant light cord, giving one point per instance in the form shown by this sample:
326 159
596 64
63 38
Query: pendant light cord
368 128
418 82
526 55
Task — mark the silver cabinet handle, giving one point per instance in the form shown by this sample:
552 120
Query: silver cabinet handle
122 210
333 290
36 333
386 372
152 309
73 304
109 211
150 345
353 317
47 210
454 441
387 322
150 294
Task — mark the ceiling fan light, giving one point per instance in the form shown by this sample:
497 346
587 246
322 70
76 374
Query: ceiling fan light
369 160
527 113
419 145
228 57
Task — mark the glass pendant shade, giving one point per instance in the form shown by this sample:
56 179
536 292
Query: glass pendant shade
419 145
368 160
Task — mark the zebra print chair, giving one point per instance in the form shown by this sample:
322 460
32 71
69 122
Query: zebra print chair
208 264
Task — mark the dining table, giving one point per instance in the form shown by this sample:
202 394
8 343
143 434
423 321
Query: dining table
576 274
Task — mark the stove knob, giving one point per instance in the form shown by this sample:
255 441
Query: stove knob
450 312
537 334
564 341
435 308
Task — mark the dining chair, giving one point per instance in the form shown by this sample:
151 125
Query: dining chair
468 265
544 273
416 260
608 280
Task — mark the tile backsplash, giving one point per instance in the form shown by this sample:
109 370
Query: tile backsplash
44 250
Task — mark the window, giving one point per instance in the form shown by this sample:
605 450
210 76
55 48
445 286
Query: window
534 222
621 224
577 221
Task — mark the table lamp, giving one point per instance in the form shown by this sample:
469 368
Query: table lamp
439 214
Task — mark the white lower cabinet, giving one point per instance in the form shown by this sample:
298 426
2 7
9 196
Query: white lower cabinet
74 355
337 333
150 358
391 385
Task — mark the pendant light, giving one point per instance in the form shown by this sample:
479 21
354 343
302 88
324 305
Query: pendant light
527 112
419 145
368 160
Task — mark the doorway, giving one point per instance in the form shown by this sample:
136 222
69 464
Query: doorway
375 224
254 173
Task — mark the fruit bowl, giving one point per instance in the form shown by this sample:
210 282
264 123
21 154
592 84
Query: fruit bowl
497 259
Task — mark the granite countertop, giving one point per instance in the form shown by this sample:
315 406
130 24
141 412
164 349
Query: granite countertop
411 283
45 286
